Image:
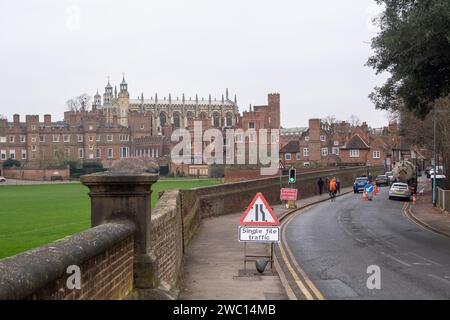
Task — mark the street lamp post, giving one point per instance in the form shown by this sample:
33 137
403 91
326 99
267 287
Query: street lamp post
435 152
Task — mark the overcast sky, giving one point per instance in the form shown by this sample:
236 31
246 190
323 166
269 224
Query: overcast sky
311 52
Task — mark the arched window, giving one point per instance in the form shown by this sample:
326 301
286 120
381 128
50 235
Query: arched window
162 119
229 119
203 115
190 115
216 120
176 119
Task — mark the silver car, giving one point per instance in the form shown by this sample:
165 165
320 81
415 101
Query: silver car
399 190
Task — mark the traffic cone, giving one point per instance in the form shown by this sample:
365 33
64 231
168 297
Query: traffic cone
364 195
414 198
375 190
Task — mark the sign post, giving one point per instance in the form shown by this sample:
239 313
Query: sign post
259 224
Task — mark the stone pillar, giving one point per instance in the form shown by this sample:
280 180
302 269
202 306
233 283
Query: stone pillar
121 195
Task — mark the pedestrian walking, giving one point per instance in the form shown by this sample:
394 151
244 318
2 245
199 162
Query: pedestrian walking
332 189
320 184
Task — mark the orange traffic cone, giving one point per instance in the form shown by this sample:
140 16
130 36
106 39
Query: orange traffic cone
375 189
414 198
364 195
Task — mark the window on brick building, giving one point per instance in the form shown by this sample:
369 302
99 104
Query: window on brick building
336 143
306 164
3 154
238 137
251 125
66 153
66 138
98 138
335 150
287 156
307 138
324 152
176 120
124 137
91 138
216 120
12 154
306 152
110 153
81 153
11 139
376 154
123 152
109 137
251 137
229 120
41 138
2 139
56 138
80 138
354 153
33 127
33 148
142 127
24 154
98 153
298 156
323 138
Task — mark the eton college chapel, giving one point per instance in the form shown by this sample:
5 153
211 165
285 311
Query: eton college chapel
120 127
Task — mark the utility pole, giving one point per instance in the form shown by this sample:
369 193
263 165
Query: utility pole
434 157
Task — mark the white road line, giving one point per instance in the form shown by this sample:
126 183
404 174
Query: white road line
395 259
439 278
427 260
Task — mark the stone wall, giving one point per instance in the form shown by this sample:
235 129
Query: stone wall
167 240
35 174
104 255
235 197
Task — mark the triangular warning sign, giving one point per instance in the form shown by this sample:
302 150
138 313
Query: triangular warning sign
259 213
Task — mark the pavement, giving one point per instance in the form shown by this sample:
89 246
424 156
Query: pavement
214 262
427 215
345 249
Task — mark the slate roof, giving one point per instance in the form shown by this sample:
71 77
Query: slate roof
291 147
356 142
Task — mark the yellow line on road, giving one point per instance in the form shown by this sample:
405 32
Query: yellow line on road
308 281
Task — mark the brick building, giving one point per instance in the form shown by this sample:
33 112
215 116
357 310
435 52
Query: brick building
339 144
120 127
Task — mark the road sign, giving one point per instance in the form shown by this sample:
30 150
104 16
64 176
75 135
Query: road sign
259 213
369 188
280 165
288 194
259 234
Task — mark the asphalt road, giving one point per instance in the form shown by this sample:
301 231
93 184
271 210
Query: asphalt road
335 243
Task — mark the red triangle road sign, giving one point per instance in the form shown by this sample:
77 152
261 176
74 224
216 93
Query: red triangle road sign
259 213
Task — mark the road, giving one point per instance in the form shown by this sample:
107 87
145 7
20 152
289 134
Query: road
333 245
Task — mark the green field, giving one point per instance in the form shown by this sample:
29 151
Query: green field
33 215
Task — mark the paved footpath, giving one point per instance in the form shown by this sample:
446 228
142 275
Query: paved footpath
214 265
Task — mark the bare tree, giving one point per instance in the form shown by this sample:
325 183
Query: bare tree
79 102
354 121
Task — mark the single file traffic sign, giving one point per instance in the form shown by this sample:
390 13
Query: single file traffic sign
259 213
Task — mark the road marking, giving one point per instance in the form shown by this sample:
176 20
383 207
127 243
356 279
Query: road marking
427 260
396 259
409 216
438 278
299 282
308 281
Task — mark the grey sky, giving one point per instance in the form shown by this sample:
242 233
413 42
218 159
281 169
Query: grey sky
311 52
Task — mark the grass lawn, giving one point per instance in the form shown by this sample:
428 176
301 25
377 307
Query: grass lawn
33 215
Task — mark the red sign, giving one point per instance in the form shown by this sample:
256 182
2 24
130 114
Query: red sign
259 213
288 194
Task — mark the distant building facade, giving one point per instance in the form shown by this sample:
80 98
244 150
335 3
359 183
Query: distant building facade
119 127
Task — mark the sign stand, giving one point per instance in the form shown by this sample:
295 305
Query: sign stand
259 225
252 258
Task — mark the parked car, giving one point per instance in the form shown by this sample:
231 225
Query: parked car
382 180
399 190
2 179
359 184
390 176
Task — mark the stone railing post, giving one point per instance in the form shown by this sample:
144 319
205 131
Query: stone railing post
118 196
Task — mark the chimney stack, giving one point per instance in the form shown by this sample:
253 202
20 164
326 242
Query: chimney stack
16 120
47 120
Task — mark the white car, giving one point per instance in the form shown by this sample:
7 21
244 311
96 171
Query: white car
2 179
399 190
